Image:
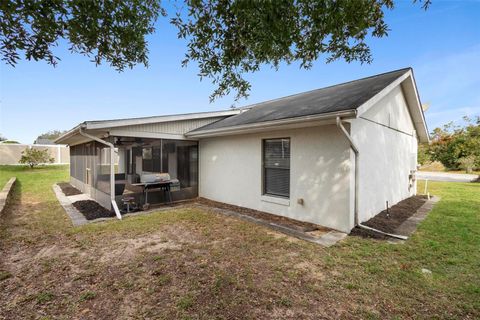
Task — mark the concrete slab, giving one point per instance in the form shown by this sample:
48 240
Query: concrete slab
77 218
331 238
409 226
6 192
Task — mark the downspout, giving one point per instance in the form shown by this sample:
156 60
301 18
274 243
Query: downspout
112 169
356 152
355 210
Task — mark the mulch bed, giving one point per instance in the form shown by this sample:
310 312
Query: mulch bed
68 189
389 222
92 210
291 223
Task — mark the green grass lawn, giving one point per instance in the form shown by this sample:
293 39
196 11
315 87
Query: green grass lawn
6 172
193 264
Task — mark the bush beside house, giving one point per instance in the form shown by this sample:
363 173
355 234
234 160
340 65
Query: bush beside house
456 147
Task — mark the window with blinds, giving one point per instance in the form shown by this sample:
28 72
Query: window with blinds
276 167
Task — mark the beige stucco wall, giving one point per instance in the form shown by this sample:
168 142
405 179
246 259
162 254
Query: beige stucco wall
231 172
386 155
10 154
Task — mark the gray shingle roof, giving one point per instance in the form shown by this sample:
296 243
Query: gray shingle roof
337 98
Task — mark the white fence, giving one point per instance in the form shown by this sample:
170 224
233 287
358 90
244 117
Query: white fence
11 153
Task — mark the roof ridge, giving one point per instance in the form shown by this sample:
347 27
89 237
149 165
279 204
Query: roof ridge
327 87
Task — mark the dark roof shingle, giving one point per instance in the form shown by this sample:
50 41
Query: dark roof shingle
341 97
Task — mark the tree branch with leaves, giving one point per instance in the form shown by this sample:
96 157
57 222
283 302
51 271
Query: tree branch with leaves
227 39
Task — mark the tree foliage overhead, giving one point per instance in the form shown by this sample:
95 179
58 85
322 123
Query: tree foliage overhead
227 39
231 38
108 30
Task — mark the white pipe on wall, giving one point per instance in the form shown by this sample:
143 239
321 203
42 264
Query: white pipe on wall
357 153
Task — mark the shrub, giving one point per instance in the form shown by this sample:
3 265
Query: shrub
424 155
33 157
457 146
467 163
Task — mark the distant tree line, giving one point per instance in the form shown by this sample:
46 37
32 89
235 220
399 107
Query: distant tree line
51 135
455 146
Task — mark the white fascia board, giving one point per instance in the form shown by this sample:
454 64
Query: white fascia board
291 123
138 121
73 137
78 140
68 134
140 134
379 96
411 95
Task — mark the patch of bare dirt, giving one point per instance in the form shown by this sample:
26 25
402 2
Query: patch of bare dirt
169 238
389 220
291 223
68 189
311 269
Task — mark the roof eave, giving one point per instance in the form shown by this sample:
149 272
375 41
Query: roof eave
68 134
270 125
94 125
414 99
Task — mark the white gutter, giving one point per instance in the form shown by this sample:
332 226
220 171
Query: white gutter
357 153
112 169
68 133
355 210
381 232
245 128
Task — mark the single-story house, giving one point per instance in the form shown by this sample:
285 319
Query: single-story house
334 156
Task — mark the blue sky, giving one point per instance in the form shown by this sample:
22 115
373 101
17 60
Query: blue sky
441 44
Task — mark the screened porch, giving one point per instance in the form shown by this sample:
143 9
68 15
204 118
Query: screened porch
145 169
144 162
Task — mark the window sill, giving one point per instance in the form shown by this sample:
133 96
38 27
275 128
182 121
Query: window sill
276 200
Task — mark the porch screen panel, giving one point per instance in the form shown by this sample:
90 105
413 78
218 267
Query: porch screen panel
101 167
128 162
78 162
72 161
156 159
276 167
180 160
147 164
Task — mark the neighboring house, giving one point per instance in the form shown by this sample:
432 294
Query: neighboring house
333 156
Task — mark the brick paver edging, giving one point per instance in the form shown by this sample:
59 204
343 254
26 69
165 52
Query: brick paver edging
77 218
